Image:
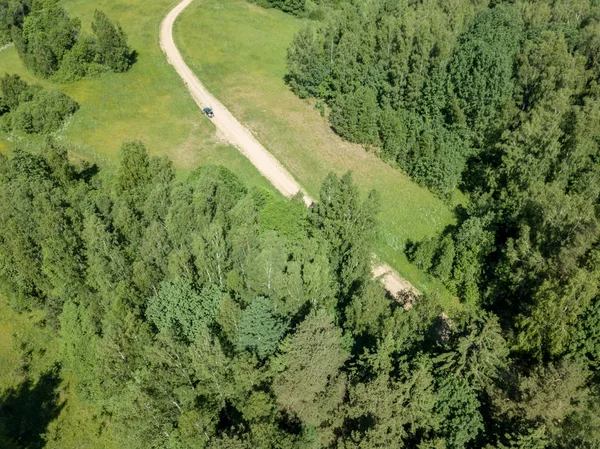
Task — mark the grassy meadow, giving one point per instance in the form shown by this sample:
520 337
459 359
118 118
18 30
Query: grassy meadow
238 51
149 103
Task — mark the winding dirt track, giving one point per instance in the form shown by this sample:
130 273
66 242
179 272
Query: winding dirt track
227 124
240 137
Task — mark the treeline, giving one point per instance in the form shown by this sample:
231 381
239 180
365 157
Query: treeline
526 245
203 314
31 108
51 45
432 85
316 10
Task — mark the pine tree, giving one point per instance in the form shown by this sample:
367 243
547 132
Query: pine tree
111 42
259 330
308 381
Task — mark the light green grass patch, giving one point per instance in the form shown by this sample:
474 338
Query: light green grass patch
78 424
238 51
28 331
149 103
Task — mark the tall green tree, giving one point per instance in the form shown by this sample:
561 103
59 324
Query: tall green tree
111 42
308 381
347 225
259 329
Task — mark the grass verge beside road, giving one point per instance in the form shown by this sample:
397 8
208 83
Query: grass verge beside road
238 51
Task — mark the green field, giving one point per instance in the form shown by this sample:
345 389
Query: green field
149 102
238 51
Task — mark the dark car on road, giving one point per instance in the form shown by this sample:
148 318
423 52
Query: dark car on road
209 112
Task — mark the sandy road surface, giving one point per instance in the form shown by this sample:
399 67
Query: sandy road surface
227 124
239 136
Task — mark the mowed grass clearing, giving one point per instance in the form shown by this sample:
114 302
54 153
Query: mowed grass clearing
238 51
149 103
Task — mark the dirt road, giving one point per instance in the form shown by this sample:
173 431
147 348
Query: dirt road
240 137
231 129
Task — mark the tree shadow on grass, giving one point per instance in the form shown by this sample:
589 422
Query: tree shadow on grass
133 57
26 411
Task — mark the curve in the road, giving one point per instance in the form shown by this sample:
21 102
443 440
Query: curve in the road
226 123
246 143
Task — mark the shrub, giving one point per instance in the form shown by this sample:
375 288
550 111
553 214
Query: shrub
45 113
32 109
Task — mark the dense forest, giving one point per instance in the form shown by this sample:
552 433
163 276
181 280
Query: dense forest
502 101
203 314
51 44
435 86
196 312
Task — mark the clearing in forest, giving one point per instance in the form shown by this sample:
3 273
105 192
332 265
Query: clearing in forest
238 52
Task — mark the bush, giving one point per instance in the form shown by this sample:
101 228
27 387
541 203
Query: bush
45 113
48 33
83 60
50 43
13 90
296 7
12 13
32 109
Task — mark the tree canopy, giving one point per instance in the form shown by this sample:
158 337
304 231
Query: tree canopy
194 311
51 44
199 313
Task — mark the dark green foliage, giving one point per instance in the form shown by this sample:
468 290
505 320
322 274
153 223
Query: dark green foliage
81 61
384 73
526 244
481 69
45 113
480 355
457 405
309 383
133 174
179 309
32 109
51 44
354 116
259 330
201 314
348 226
290 6
423 253
47 34
444 260
586 340
12 14
13 91
437 157
306 63
111 43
